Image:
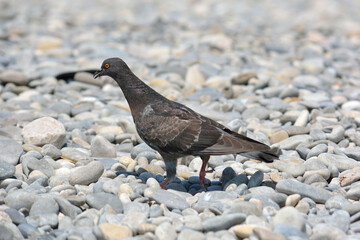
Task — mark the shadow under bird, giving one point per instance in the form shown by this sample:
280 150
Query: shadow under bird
175 130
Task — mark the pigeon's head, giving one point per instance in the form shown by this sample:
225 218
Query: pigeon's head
112 67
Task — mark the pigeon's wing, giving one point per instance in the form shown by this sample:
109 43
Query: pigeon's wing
170 128
176 128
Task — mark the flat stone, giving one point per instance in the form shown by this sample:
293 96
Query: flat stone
99 200
289 232
87 174
323 231
74 154
223 222
17 78
260 113
100 147
9 231
6 170
339 219
20 199
189 234
341 162
244 207
43 131
290 216
44 205
15 215
349 176
292 142
10 150
293 166
266 234
255 180
51 150
165 231
171 200
112 231
67 208
292 186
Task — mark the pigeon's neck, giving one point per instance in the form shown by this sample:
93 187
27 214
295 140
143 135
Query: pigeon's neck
137 93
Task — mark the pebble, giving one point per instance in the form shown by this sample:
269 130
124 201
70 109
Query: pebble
101 147
169 199
292 142
17 78
10 150
290 216
255 180
293 166
340 162
223 222
51 150
20 199
6 170
115 231
99 200
292 186
87 174
43 131
189 234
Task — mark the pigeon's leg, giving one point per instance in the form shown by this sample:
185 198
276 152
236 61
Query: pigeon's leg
205 160
170 166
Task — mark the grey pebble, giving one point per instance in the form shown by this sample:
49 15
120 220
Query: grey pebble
10 232
342 163
6 170
289 232
171 200
67 208
28 230
10 150
20 199
51 150
292 186
87 174
339 219
44 205
99 200
317 150
290 216
189 234
16 216
224 221
322 230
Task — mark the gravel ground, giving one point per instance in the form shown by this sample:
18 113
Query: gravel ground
283 72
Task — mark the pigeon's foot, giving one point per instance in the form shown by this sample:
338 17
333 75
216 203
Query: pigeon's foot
202 181
164 183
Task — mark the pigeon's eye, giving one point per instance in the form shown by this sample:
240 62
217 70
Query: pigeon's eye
107 65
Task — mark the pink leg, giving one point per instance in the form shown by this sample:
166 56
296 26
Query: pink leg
205 160
164 183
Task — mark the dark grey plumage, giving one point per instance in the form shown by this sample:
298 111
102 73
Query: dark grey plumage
175 130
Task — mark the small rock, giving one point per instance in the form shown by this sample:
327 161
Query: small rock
256 179
189 234
292 186
342 163
100 147
6 170
17 78
293 166
87 174
165 231
99 200
265 234
171 200
10 150
290 216
44 205
223 222
20 199
292 200
292 142
51 150
339 219
43 131
323 231
113 231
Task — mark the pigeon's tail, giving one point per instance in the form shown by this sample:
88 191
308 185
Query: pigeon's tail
266 156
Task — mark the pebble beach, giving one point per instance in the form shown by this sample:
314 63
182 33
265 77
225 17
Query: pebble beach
286 73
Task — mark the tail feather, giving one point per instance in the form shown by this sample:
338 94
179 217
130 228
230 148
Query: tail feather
266 156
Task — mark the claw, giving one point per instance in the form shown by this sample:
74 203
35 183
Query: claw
164 183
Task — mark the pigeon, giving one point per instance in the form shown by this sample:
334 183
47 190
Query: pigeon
175 130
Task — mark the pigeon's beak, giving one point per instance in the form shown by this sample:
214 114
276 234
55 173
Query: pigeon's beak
98 73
